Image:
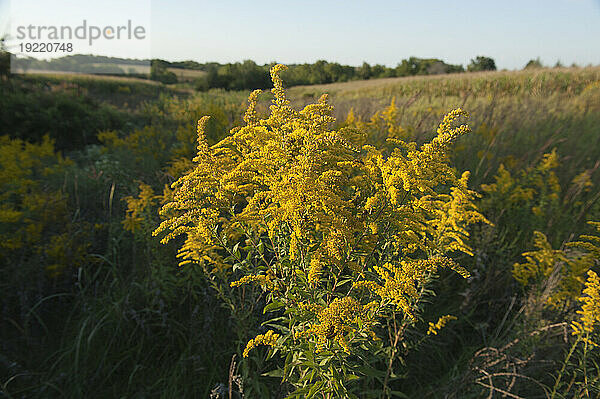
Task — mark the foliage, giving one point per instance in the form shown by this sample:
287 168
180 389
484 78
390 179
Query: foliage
71 121
425 66
41 245
556 274
238 76
534 64
249 75
4 60
159 72
481 63
528 199
584 328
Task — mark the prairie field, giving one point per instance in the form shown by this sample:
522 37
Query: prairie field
319 253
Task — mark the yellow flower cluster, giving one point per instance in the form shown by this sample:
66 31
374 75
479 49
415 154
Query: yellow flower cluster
136 207
36 225
591 244
264 280
567 267
26 209
399 283
441 323
268 339
382 128
336 321
536 186
316 267
540 263
590 310
324 202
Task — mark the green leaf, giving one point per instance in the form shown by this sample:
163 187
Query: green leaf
286 366
261 247
273 306
344 281
325 361
371 372
274 373
315 389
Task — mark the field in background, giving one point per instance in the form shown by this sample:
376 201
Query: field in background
93 306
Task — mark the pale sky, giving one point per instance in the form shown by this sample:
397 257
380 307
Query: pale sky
349 32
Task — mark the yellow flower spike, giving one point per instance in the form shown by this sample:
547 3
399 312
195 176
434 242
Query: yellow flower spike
316 267
278 90
136 207
202 143
569 266
250 116
441 323
267 339
590 310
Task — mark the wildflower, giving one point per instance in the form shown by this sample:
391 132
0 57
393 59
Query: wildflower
268 339
137 206
590 310
316 267
264 280
569 267
335 321
441 323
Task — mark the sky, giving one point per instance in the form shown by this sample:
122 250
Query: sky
349 32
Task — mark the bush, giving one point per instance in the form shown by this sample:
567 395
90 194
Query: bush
342 239
481 63
534 64
159 72
70 120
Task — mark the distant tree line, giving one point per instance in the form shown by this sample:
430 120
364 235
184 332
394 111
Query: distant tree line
248 74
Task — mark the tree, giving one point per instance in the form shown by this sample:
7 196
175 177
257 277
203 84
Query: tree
159 72
4 60
364 71
481 63
437 68
534 64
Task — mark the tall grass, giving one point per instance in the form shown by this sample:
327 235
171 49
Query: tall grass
130 323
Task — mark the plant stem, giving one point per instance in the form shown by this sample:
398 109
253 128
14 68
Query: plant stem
564 366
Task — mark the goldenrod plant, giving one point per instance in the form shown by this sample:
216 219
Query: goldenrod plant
41 245
139 209
341 238
558 274
524 199
555 274
584 382
558 279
